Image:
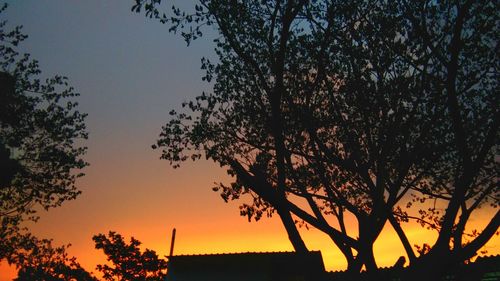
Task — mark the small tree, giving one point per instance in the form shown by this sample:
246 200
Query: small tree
129 263
37 259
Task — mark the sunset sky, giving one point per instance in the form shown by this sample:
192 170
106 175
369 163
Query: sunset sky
131 72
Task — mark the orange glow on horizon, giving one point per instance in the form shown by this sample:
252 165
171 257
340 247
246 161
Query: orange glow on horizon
204 223
240 236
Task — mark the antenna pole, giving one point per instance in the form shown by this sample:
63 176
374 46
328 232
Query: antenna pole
172 243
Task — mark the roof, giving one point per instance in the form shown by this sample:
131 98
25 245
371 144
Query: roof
246 266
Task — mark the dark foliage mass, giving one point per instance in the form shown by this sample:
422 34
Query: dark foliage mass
41 131
37 259
128 262
380 111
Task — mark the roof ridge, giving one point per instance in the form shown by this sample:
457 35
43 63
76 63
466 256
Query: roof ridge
241 253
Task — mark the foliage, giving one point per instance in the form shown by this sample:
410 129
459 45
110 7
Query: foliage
37 259
39 126
382 111
40 158
129 263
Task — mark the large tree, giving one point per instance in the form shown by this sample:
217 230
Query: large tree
41 131
323 110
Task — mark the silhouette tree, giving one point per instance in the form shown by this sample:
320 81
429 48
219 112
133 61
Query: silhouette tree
37 259
359 109
457 47
40 128
129 263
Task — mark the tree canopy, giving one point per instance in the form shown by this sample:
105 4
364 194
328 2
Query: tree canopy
40 130
129 263
38 259
41 133
367 109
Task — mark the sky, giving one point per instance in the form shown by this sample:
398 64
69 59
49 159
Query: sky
131 72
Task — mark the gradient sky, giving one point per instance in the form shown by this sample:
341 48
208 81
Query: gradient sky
131 72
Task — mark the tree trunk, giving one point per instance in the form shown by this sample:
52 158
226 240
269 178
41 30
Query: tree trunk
293 233
368 259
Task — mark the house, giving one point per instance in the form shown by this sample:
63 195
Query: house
274 266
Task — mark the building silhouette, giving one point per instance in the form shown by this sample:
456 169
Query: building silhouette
275 266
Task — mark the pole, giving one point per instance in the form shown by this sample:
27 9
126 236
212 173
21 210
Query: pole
172 243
